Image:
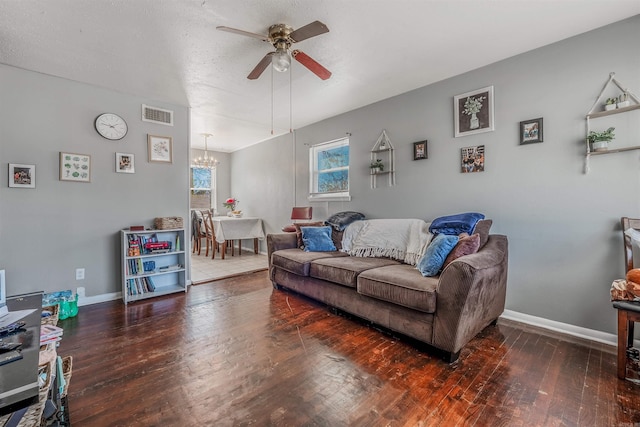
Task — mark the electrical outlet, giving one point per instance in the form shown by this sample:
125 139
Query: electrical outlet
80 292
79 273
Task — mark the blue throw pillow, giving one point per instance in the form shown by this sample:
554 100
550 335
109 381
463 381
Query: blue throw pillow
317 239
437 251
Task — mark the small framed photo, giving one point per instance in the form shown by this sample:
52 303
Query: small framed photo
472 159
22 176
75 167
420 150
473 112
125 163
531 131
160 148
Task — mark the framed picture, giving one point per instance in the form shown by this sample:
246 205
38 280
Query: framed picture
420 150
125 163
75 167
160 148
22 176
531 131
473 112
472 159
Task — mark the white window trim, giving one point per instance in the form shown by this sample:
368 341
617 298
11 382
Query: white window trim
342 196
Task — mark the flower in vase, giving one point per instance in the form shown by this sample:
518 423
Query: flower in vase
473 105
231 203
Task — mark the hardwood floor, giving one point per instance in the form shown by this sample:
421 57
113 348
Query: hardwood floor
237 352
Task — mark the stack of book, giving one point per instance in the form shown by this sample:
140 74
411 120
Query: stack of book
140 285
50 333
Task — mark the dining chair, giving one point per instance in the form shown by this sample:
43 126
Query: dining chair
299 213
628 311
208 227
197 231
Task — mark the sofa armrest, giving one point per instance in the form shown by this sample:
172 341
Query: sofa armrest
278 241
471 294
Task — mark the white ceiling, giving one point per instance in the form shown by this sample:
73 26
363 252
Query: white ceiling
170 50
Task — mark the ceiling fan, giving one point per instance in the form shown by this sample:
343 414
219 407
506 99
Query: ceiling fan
282 36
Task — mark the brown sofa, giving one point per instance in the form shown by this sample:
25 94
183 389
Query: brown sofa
444 311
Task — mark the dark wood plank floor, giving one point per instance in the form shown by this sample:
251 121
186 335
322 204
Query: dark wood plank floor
236 352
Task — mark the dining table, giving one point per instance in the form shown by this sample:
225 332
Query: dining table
227 229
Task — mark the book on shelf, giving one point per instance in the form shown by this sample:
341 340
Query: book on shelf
140 285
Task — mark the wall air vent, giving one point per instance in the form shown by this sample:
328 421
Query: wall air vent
157 115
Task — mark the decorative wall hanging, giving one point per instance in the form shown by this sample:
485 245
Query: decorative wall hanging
22 176
531 131
473 112
125 163
472 159
75 167
383 155
160 148
420 150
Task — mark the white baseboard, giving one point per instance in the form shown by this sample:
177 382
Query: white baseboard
105 297
99 298
564 328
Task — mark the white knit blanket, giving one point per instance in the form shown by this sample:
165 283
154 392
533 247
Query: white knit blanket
401 239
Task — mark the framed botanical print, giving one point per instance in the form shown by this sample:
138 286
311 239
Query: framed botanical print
473 112
160 148
75 167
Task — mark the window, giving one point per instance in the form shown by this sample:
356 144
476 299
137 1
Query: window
202 188
329 170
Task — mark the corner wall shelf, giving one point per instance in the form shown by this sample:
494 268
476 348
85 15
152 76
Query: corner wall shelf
628 95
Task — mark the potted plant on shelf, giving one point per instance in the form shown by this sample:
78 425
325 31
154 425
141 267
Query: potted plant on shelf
610 104
599 141
377 166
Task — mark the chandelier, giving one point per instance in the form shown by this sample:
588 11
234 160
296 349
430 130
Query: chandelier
206 161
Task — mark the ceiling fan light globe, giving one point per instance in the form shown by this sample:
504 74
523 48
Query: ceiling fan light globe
281 60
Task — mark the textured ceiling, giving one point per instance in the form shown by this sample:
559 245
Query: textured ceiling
169 50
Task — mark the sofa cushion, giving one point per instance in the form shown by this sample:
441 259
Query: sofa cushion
433 260
317 239
297 261
400 284
345 271
482 228
466 245
297 226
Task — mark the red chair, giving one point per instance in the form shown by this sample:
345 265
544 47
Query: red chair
299 213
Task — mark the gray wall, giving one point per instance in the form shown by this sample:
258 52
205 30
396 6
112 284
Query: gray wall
563 225
48 232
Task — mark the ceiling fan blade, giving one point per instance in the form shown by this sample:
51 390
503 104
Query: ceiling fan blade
262 65
310 30
244 33
311 64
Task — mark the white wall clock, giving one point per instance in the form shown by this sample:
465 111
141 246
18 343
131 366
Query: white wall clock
111 126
